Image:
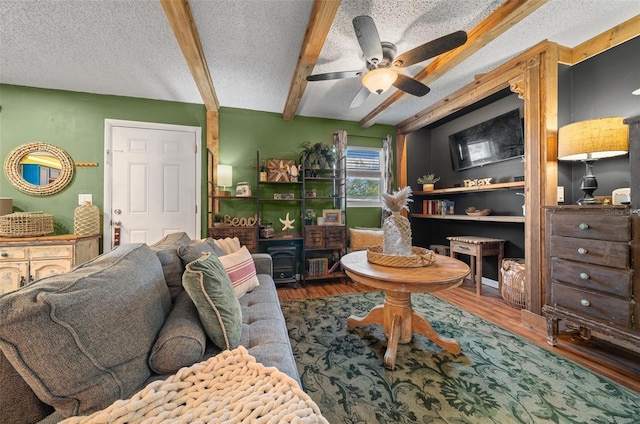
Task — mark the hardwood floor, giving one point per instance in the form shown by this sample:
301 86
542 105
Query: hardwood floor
616 363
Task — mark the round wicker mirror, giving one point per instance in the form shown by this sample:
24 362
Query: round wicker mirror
13 168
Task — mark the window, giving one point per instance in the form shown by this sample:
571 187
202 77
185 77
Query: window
364 176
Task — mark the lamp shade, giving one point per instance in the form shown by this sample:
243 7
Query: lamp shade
225 175
379 80
593 139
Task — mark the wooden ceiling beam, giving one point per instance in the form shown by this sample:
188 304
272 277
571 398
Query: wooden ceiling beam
320 21
497 23
181 20
606 40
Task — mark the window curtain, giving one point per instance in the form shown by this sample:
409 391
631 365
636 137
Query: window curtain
340 146
387 174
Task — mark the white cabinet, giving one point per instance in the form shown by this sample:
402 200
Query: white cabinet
23 260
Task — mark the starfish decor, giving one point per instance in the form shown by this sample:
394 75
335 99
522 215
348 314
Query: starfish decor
287 223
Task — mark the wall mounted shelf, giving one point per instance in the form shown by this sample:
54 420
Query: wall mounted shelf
490 187
488 218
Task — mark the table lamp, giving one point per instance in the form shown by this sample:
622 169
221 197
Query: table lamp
225 179
588 141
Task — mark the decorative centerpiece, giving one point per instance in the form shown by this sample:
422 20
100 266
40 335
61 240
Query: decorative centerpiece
396 249
396 228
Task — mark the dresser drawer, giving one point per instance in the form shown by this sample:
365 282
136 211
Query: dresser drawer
593 305
12 253
47 252
591 226
593 277
608 253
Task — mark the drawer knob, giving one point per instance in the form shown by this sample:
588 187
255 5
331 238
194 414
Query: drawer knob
584 276
582 251
585 302
583 226
5 255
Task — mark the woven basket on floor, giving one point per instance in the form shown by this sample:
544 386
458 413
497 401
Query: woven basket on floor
26 224
513 283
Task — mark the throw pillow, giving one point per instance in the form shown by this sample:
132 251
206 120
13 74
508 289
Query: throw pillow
228 244
241 269
361 239
172 266
192 251
208 285
81 339
182 341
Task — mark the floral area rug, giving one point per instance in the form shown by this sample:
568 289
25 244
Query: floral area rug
498 378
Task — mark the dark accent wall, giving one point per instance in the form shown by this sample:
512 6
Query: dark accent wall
428 152
596 88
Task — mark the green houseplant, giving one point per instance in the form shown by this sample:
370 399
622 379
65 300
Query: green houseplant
316 156
428 181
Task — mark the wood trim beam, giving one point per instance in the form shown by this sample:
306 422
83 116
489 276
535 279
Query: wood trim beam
184 28
482 87
503 18
608 39
213 145
320 20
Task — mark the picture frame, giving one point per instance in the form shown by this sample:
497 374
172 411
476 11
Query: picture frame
332 216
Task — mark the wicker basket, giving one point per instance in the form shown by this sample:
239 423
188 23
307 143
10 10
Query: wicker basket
419 257
26 224
513 283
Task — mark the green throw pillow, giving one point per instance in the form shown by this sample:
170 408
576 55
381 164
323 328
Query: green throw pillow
209 286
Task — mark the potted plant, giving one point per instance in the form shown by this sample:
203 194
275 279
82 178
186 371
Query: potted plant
309 214
428 181
218 220
316 157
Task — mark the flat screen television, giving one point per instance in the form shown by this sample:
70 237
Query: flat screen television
495 140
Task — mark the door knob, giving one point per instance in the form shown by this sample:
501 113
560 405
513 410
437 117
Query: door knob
117 223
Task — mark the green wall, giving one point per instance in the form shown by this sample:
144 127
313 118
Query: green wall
75 122
244 132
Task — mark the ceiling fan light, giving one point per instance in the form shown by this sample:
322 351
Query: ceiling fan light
379 80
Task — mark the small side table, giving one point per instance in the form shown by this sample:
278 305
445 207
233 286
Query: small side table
477 247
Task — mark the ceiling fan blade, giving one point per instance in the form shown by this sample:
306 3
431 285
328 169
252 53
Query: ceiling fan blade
430 49
368 37
359 99
335 75
410 85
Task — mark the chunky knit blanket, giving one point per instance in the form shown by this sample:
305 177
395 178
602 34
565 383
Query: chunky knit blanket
230 387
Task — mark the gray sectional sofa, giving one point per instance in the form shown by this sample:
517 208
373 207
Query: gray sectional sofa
74 343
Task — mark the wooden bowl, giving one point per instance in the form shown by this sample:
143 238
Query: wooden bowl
476 212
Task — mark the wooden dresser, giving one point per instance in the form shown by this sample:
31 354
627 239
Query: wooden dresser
25 259
591 255
248 236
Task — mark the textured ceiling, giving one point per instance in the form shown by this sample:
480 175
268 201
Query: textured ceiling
127 48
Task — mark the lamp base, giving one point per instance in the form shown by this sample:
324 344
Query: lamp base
224 193
589 184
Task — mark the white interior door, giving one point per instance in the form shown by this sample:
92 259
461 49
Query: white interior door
153 187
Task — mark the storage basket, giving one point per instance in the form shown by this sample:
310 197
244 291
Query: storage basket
513 283
26 224
419 257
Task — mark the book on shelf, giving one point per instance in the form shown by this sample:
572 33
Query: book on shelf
438 207
317 267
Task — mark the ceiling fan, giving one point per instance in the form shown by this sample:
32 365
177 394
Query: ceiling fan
382 63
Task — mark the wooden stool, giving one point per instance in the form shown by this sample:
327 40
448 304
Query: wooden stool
478 247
